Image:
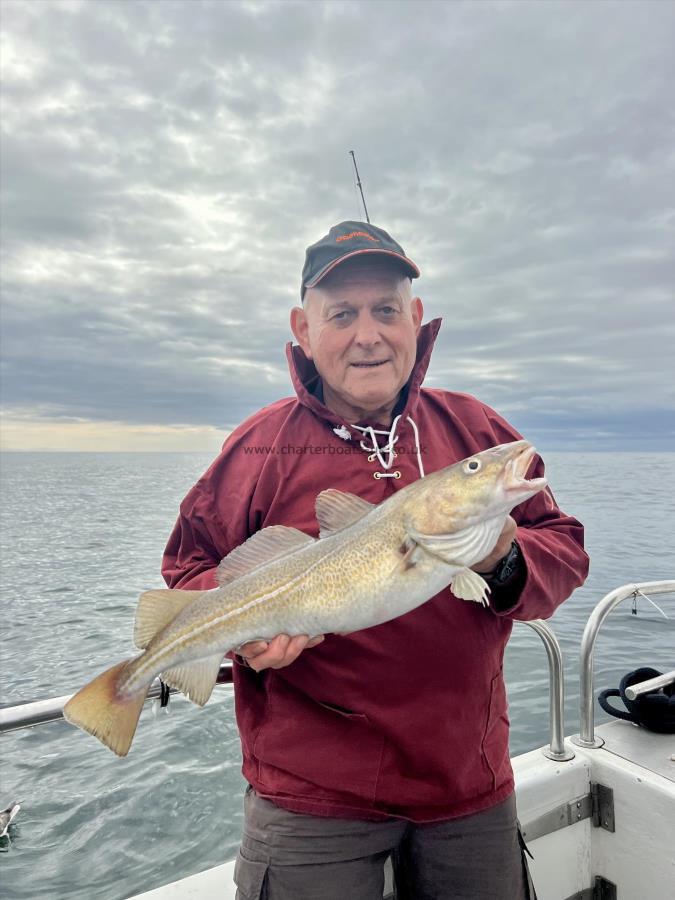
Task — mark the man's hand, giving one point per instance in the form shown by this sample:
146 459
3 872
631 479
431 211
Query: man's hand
279 652
502 547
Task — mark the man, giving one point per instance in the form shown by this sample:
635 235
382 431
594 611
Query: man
393 740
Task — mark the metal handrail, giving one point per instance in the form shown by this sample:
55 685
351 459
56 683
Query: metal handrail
586 737
556 692
652 684
39 712
25 715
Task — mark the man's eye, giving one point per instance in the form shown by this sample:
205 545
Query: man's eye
387 310
340 316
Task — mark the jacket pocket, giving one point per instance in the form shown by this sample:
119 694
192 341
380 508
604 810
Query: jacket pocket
305 746
249 876
495 744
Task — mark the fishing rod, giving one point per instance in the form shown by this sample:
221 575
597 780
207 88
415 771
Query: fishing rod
358 184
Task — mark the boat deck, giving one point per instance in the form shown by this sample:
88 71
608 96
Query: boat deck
636 765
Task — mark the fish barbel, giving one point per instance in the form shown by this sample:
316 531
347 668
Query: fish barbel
370 564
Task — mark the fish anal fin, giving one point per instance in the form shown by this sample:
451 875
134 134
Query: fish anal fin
336 510
195 679
469 585
102 710
263 547
156 609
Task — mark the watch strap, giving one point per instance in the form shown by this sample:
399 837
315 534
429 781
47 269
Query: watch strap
507 568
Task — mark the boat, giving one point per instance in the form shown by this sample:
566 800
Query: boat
597 809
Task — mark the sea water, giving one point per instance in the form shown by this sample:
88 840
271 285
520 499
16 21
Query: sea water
83 534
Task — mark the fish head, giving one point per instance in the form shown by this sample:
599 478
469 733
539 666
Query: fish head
482 486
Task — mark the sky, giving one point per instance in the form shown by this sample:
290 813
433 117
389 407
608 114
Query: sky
165 164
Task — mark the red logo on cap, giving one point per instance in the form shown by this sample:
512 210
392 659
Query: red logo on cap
353 234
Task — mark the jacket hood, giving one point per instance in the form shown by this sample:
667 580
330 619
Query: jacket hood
306 380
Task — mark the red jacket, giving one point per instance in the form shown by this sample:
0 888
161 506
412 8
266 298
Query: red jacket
404 719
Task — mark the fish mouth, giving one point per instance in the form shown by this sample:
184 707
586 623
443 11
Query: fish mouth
516 468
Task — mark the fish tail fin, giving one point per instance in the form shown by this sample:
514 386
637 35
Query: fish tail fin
104 711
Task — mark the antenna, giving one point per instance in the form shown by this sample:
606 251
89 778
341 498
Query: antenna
358 184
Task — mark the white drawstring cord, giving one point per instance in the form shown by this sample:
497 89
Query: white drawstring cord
377 451
417 447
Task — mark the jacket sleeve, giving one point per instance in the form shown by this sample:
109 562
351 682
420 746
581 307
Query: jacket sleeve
552 545
200 538
213 520
195 546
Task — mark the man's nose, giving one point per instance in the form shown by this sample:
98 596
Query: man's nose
367 330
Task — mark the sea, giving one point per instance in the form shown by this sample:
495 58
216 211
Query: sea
82 535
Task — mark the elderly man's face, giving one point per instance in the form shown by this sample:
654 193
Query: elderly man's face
360 326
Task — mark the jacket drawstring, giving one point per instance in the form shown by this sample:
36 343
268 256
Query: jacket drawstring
385 453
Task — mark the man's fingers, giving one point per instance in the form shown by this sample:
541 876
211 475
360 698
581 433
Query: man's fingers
273 655
282 651
253 648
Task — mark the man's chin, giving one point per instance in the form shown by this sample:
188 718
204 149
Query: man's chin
372 403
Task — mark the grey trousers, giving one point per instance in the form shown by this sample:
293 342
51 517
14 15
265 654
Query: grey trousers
287 856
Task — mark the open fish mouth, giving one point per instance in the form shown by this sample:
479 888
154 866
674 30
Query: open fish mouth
516 470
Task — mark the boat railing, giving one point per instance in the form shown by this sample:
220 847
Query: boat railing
651 684
39 712
586 737
556 692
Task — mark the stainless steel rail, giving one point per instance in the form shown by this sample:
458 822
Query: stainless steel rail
586 737
39 712
556 693
25 715
652 684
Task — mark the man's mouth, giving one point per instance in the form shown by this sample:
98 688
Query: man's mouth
370 364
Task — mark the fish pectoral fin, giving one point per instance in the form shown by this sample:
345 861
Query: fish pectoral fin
195 679
156 609
336 510
261 548
411 553
469 585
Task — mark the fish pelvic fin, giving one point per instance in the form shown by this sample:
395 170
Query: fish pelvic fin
156 609
195 679
102 710
469 585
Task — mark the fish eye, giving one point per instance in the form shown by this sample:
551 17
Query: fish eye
473 465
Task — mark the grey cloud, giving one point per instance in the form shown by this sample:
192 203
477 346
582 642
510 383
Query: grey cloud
165 165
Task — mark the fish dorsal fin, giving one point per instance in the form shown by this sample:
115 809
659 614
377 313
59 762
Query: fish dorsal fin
195 679
264 546
336 510
156 609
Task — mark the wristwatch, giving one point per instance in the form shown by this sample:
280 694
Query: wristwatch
507 568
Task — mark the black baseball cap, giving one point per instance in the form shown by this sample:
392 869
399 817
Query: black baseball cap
344 241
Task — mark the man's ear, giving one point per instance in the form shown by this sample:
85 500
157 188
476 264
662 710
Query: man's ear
300 329
417 310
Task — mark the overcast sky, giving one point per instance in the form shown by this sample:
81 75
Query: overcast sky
165 164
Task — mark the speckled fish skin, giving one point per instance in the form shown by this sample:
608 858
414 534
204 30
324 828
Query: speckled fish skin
383 561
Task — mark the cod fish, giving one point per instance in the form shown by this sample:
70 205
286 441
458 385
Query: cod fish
370 564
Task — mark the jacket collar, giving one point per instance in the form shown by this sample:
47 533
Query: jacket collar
307 381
